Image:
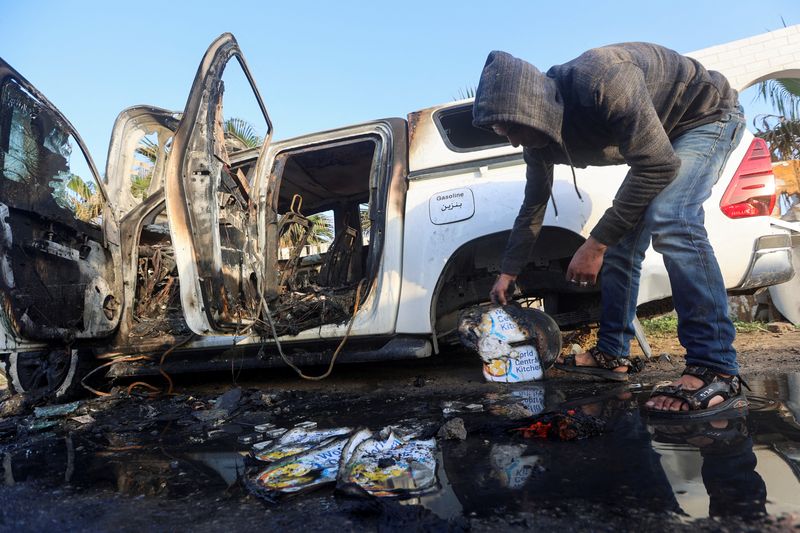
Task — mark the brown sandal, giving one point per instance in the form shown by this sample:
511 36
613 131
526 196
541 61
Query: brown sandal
605 366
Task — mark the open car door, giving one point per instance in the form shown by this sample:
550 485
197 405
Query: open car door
59 240
212 214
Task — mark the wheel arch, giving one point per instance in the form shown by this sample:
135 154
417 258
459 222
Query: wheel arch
470 271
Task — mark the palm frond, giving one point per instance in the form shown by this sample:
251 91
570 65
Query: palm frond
140 185
783 94
321 232
781 134
466 92
242 131
82 189
148 149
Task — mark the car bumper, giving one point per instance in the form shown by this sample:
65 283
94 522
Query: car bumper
771 263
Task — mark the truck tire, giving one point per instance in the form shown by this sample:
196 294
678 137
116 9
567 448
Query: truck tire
55 373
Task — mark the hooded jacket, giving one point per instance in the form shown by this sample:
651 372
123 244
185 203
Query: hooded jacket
623 103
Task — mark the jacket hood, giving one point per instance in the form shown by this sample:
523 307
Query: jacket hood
513 90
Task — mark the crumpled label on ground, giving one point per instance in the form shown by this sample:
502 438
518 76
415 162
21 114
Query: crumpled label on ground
390 466
304 471
388 463
298 440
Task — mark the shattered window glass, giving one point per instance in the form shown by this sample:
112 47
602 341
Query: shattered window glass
38 152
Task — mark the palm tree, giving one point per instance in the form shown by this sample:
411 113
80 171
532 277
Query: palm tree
83 199
140 184
240 135
783 94
321 231
781 134
781 130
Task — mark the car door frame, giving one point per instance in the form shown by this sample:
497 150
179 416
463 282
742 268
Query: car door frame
10 336
377 314
201 282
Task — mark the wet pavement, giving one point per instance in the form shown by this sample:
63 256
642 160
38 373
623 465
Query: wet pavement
617 466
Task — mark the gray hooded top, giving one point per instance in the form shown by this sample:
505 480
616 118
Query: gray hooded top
623 103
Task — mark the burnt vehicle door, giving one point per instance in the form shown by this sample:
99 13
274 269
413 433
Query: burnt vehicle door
59 239
282 239
141 143
211 211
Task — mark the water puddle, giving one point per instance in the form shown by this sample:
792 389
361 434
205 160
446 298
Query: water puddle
740 466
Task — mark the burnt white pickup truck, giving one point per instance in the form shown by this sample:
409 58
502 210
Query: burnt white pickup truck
199 236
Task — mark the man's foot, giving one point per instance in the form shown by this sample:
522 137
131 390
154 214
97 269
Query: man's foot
586 359
598 364
687 383
699 392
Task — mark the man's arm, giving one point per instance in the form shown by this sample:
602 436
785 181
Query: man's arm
528 224
624 103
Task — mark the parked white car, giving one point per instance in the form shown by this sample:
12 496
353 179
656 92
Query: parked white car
193 256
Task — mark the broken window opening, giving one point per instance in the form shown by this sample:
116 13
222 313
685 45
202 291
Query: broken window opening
323 204
149 157
455 126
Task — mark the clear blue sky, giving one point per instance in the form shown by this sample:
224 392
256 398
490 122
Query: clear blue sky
325 64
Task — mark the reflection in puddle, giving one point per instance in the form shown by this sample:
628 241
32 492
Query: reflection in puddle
744 467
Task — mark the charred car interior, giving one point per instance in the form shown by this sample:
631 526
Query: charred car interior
59 278
323 206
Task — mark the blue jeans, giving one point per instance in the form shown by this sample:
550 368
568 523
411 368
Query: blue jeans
675 223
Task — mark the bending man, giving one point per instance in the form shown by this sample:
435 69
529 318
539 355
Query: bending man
674 124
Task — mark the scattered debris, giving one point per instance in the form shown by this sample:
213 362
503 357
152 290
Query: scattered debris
453 429
247 439
41 425
83 419
452 407
513 411
566 425
50 411
228 401
780 327
14 405
274 433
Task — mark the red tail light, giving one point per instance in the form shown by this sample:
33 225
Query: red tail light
751 192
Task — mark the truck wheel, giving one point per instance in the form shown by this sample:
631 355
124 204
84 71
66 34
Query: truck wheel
55 373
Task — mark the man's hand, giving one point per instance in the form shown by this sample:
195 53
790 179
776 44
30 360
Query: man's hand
586 263
500 288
